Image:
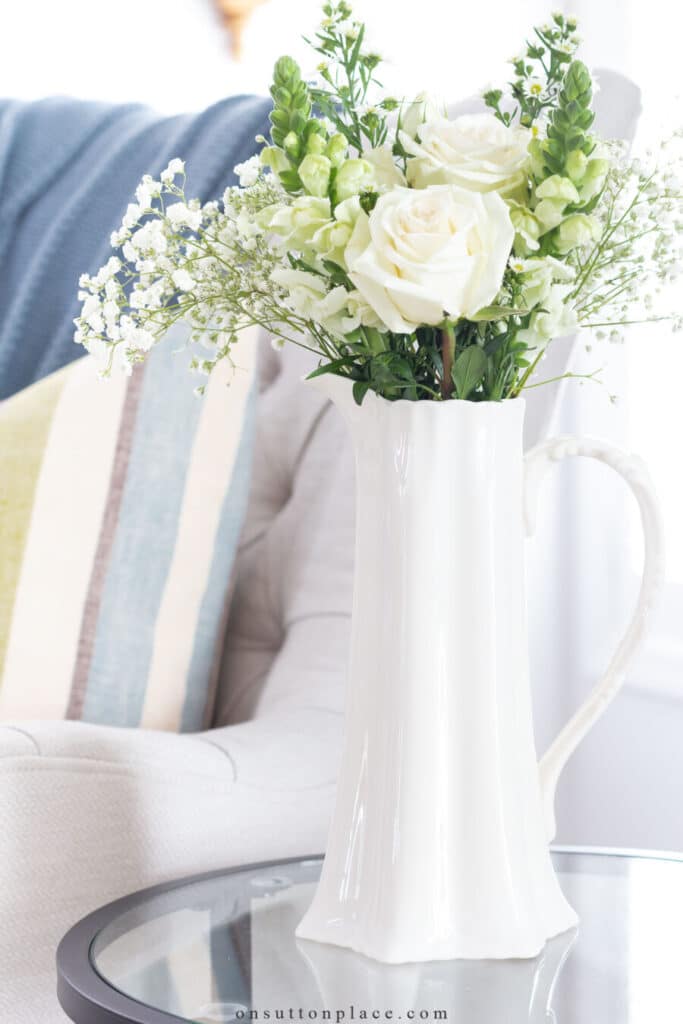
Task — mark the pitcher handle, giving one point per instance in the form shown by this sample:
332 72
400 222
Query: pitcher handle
634 472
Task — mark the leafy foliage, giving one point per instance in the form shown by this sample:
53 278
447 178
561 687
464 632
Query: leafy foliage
539 73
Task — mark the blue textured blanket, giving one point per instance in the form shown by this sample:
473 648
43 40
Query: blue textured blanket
67 171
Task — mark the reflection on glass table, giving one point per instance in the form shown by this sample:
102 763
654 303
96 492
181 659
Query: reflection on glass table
222 948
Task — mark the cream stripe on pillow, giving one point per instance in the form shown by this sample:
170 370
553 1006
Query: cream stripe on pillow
208 479
61 544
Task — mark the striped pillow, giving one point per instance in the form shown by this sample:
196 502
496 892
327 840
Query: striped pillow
121 503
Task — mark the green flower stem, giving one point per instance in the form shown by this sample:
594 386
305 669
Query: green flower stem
567 376
629 323
447 358
517 390
590 265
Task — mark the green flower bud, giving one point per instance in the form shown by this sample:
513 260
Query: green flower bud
336 150
557 187
578 84
352 177
576 165
291 144
594 178
536 158
549 213
286 72
282 96
274 158
314 171
578 230
315 144
332 238
527 228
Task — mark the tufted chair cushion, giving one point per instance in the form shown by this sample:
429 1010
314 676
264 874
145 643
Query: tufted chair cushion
288 629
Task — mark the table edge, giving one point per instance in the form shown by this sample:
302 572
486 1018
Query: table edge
87 998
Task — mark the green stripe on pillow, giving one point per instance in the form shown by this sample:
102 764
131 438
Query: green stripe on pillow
24 428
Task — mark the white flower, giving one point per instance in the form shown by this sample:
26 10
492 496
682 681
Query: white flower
361 312
144 194
111 311
149 238
414 113
386 173
90 306
181 215
109 270
183 279
136 337
310 299
131 216
539 274
421 255
555 320
331 239
176 166
248 171
534 87
296 223
474 151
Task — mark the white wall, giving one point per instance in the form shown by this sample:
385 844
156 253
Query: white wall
173 53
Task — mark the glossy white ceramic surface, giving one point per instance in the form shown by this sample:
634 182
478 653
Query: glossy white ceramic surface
438 847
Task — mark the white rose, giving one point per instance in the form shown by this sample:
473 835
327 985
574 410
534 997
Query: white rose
474 151
421 255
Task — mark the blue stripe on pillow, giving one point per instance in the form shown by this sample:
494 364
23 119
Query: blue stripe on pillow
144 542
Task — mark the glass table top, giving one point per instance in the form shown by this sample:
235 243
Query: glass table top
222 949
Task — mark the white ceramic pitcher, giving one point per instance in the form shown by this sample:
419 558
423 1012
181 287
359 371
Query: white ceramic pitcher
438 847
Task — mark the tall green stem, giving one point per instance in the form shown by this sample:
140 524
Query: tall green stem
447 358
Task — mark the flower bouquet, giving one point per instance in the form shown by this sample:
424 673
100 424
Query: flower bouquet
420 257
427 263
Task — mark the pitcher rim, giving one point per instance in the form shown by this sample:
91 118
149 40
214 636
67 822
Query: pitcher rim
519 402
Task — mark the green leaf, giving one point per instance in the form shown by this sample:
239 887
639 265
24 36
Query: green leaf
337 274
291 181
331 367
496 313
375 340
360 389
468 370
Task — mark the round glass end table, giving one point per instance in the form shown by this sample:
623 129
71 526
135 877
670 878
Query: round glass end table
220 949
